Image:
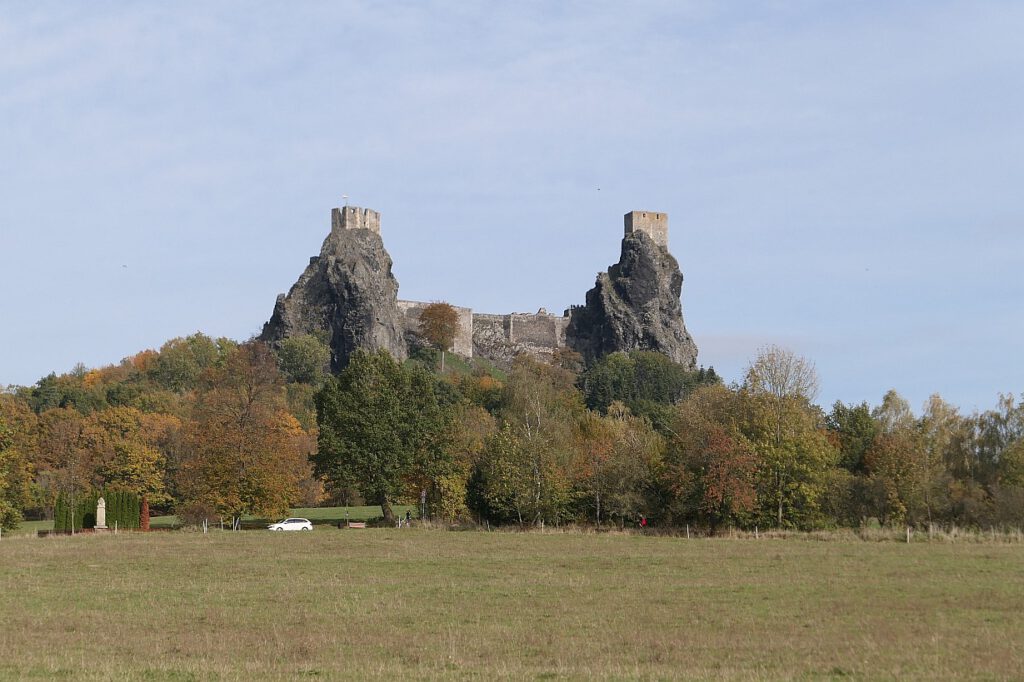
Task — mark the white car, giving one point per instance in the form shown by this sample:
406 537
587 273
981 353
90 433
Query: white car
292 524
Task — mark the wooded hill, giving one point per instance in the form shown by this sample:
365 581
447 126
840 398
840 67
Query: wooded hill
211 428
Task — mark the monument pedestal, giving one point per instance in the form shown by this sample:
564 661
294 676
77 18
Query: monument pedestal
101 515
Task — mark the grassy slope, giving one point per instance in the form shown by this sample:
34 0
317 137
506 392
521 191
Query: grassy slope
415 603
456 365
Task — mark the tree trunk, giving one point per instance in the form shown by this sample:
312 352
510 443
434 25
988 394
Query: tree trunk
389 513
442 361
780 501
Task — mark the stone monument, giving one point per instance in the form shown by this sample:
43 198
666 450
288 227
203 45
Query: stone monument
101 514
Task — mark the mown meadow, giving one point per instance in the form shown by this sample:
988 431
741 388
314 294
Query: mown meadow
413 603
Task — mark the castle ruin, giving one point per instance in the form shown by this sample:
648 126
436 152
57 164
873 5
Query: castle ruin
349 291
503 336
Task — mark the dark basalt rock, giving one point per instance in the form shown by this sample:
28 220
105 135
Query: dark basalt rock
349 291
634 306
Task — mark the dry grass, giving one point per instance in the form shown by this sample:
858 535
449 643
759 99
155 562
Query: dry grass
432 604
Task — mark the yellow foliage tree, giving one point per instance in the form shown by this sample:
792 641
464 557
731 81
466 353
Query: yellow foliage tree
247 454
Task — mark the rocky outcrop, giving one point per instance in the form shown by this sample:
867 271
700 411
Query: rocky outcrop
347 291
349 294
634 306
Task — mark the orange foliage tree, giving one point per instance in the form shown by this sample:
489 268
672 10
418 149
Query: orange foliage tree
17 446
619 457
439 322
247 454
711 466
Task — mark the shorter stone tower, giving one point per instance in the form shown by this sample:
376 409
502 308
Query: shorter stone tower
654 224
355 218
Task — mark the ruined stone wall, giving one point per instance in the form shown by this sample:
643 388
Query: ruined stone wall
491 337
654 224
463 344
541 330
502 337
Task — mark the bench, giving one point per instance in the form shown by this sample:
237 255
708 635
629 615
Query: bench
357 524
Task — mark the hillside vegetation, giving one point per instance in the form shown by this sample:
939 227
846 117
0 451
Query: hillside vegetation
217 430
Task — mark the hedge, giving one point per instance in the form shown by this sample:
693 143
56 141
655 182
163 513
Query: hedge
122 510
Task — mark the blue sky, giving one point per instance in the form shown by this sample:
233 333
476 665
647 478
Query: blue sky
841 178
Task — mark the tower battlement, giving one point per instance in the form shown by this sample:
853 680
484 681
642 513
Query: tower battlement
355 218
654 224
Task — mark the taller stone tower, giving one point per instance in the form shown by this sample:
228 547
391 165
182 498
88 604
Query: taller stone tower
654 224
347 291
635 304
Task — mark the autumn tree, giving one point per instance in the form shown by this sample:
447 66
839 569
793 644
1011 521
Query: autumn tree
647 382
629 476
481 389
67 465
711 467
166 434
995 430
1008 492
944 432
895 462
472 426
854 430
18 456
523 474
304 358
904 463
894 413
125 452
439 323
65 391
506 485
183 360
596 442
247 454
787 431
15 475
381 428
1011 465
618 458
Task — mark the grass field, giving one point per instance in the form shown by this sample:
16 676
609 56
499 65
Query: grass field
411 603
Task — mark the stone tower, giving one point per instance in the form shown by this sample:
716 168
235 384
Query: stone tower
347 292
654 224
635 305
355 218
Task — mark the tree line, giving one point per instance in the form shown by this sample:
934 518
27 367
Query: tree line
212 428
203 427
637 435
